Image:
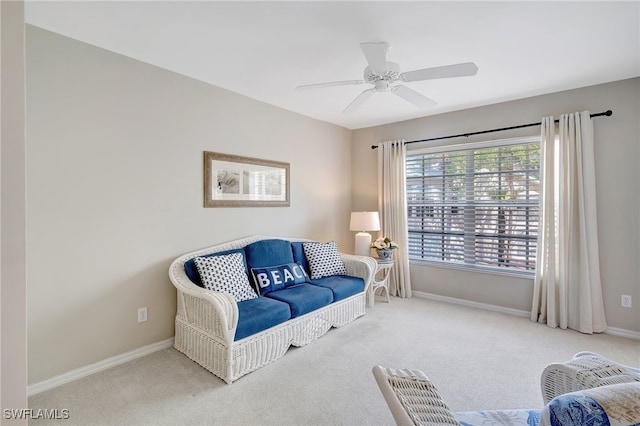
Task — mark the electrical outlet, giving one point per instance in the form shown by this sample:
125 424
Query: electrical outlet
626 301
142 314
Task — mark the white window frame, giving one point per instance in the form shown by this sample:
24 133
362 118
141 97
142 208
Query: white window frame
472 266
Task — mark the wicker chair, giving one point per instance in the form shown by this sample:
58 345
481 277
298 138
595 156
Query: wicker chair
412 398
585 371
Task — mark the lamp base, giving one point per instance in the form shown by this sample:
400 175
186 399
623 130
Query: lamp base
363 244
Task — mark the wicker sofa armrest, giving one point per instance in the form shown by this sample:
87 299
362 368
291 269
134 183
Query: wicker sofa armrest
215 313
586 370
412 398
360 266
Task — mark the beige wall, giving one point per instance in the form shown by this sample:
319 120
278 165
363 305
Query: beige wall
114 188
114 192
617 174
13 319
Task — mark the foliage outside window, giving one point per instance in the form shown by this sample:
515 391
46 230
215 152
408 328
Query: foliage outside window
475 205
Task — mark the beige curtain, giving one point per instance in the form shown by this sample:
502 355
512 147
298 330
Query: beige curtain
567 288
392 205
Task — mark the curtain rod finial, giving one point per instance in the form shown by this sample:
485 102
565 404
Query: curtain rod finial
608 113
374 146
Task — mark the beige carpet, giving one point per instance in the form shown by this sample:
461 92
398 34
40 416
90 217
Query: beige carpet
478 359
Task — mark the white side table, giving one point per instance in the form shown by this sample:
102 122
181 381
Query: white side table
380 280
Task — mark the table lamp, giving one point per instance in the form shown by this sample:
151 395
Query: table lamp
363 222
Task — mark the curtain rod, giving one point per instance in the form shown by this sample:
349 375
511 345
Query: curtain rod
607 113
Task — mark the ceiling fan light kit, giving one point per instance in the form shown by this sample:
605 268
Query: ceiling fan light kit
382 74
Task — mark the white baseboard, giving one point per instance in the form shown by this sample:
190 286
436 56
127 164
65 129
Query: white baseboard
614 331
472 304
98 366
622 332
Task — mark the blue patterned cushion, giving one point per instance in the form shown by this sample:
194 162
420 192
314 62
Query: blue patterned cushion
617 404
576 410
499 418
192 272
225 273
324 259
278 277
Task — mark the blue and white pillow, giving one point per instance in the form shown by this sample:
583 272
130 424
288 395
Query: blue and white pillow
324 259
274 278
616 404
225 273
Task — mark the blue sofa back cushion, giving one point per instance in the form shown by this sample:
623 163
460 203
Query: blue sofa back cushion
274 278
298 255
192 271
342 286
270 252
303 298
259 314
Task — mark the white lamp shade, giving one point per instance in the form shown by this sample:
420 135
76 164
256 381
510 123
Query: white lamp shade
364 221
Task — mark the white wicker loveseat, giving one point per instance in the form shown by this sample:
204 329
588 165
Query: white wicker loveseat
207 321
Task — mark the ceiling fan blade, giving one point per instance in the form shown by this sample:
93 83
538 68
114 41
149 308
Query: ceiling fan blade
446 71
376 54
329 84
413 97
359 100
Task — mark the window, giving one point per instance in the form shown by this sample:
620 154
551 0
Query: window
475 204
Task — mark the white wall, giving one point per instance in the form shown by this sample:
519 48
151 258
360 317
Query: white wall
114 189
13 302
618 179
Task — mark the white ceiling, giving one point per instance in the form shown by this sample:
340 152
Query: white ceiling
265 49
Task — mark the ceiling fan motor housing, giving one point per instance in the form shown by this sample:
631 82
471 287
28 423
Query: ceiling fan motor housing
381 80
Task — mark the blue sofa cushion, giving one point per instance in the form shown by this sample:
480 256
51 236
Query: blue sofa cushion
324 259
270 252
342 286
274 278
225 273
259 314
298 255
303 298
192 272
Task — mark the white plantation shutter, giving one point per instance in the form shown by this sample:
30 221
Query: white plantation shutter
475 204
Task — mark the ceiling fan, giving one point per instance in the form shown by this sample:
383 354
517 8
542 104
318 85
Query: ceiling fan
383 75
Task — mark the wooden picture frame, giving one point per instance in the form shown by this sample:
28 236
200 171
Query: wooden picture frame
235 181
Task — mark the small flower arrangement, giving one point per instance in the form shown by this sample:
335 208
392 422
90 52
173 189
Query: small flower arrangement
384 247
384 243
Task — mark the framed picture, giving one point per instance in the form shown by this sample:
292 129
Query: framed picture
235 181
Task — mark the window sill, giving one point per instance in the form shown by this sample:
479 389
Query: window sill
474 268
